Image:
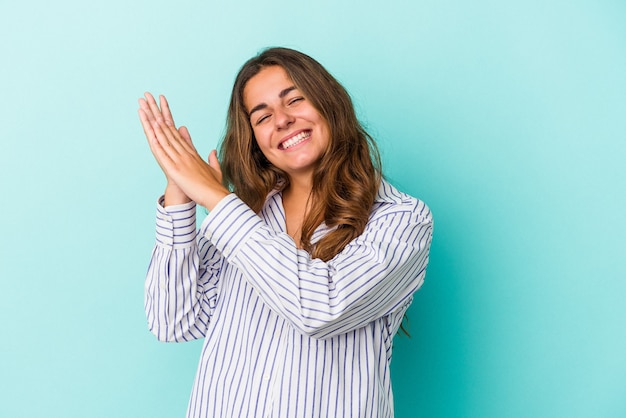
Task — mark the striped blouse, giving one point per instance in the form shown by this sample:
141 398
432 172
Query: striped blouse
286 335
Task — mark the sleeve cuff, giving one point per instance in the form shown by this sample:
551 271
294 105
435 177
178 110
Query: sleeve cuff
229 225
176 225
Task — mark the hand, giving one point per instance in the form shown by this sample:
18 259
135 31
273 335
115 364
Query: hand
173 149
173 194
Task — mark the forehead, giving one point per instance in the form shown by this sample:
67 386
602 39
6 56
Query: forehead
266 86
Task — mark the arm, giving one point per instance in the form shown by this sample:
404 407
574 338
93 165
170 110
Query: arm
373 276
181 283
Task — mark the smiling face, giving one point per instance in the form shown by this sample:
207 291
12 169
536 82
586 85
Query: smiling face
288 129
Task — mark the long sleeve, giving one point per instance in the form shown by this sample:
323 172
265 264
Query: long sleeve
181 283
376 274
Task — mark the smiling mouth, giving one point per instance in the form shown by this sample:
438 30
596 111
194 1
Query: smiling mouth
294 140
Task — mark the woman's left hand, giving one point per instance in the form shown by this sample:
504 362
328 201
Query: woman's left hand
178 158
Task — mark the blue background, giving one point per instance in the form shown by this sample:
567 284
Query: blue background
507 118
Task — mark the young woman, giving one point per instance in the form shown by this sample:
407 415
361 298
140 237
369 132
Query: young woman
301 273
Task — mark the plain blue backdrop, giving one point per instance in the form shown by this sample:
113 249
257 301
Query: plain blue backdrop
507 118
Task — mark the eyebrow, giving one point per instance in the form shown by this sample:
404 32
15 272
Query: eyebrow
282 94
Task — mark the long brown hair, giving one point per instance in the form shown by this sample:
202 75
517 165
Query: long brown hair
348 175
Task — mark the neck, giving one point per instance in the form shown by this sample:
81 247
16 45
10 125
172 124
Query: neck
295 202
299 187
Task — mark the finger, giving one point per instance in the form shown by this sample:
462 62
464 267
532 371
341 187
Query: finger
184 132
174 140
147 111
165 111
147 126
168 142
148 122
163 125
163 115
180 139
215 164
160 154
152 105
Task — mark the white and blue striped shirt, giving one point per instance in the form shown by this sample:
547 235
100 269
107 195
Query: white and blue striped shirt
286 335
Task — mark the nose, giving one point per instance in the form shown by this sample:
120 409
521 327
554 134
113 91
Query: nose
283 119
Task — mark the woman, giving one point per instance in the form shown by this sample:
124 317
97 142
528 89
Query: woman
301 273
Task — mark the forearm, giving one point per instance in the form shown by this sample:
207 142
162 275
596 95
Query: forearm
375 274
173 297
176 282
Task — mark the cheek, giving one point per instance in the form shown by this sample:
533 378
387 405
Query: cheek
263 141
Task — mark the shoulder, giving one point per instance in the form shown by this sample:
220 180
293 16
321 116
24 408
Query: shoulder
390 201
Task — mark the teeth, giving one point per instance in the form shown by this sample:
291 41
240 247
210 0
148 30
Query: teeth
296 140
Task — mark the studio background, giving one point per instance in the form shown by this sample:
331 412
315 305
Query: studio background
507 118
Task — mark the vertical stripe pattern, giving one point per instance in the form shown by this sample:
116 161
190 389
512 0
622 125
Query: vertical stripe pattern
286 335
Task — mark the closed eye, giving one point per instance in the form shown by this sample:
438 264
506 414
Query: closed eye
295 100
262 119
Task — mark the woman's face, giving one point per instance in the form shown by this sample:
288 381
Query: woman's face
288 129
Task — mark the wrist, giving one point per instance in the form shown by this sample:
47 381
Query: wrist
214 198
174 196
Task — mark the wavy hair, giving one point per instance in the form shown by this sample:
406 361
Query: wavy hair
346 180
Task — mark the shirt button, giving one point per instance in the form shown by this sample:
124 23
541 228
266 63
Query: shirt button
266 377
